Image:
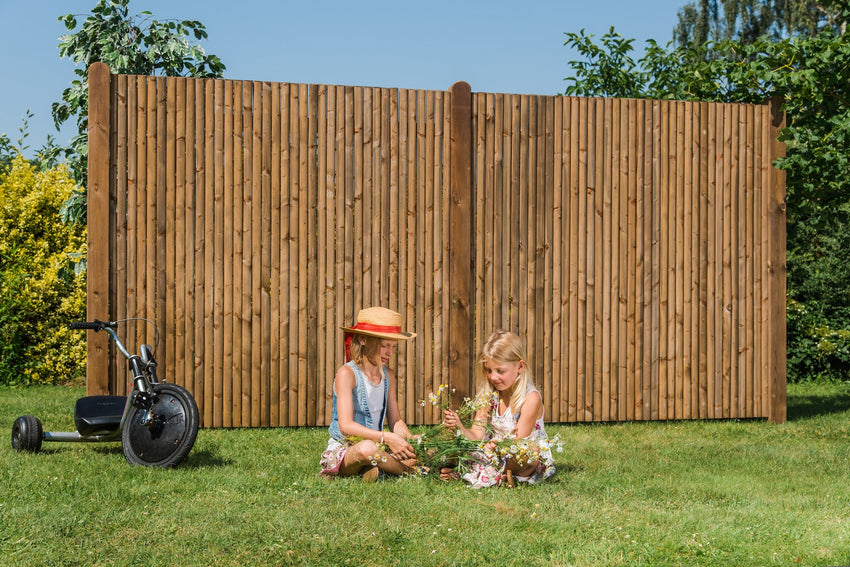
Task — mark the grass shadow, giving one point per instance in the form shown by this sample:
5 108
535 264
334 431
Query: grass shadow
204 458
804 405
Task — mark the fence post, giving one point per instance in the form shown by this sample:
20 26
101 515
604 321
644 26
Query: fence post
97 272
460 242
776 268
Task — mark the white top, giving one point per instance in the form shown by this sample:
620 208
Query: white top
374 398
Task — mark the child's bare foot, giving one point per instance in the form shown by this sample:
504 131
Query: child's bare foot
371 474
448 474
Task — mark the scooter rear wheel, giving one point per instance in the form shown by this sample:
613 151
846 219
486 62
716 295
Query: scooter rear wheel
170 434
27 434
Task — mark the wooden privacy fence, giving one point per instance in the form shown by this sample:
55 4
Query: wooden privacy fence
636 246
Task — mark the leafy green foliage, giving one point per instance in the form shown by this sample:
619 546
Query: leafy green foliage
128 44
40 290
45 157
812 74
748 20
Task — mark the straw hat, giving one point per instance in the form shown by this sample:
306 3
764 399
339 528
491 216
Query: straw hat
379 322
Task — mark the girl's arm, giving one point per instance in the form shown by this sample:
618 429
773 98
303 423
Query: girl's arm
476 431
532 410
397 440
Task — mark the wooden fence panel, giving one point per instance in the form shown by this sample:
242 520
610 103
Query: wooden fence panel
636 246
660 255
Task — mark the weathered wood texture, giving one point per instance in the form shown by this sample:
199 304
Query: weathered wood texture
637 246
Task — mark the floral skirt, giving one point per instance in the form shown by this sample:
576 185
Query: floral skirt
487 470
332 457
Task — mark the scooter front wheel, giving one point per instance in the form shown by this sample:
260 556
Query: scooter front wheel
27 434
163 435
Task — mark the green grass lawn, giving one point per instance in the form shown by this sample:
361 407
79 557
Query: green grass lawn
676 493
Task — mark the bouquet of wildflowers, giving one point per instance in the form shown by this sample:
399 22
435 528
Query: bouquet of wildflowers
441 446
525 451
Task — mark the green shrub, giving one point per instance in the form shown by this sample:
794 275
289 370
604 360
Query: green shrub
816 351
40 291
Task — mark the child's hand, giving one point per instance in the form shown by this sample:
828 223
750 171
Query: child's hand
399 446
450 419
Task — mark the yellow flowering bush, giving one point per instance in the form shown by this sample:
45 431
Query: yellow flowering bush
41 289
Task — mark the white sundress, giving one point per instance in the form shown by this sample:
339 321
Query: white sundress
487 469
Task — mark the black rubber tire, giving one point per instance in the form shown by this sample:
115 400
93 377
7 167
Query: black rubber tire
170 437
27 434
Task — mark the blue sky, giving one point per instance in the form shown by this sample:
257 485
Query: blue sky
495 46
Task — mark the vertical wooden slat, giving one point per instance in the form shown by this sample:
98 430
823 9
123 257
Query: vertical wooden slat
303 272
431 382
219 259
585 274
228 241
237 255
521 238
655 273
97 282
310 359
132 188
442 242
553 396
623 161
759 343
287 378
776 261
688 277
248 181
703 194
362 159
421 228
644 243
180 272
575 406
612 232
484 204
194 235
120 290
277 272
502 285
749 323
605 247
727 245
546 275
324 263
266 246
159 214
169 224
409 304
460 234
213 371
400 177
292 180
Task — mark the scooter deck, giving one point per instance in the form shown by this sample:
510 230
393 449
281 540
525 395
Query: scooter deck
99 415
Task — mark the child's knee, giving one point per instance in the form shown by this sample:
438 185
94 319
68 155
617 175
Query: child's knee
366 450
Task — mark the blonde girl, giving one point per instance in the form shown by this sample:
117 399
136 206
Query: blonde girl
515 412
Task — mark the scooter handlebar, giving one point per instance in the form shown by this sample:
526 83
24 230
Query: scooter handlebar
95 325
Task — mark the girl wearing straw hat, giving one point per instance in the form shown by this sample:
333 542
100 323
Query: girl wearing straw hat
364 401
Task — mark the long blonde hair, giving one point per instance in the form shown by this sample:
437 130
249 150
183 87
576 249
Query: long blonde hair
506 347
368 349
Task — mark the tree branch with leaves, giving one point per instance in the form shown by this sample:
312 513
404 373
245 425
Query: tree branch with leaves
128 44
